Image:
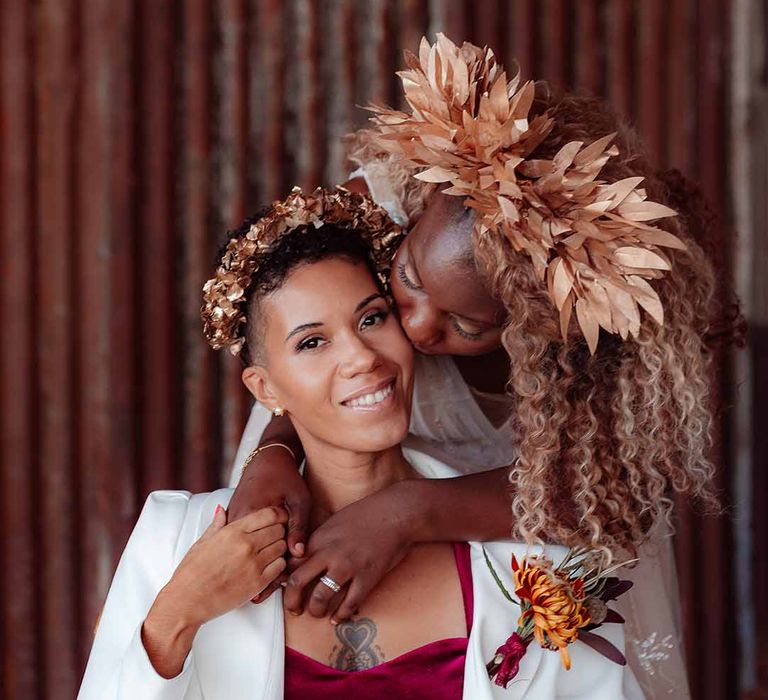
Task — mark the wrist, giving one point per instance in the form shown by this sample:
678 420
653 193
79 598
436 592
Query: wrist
411 512
171 616
275 453
167 636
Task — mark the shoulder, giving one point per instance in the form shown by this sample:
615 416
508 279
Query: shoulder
174 520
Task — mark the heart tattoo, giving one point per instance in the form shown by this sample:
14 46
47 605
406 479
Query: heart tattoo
357 651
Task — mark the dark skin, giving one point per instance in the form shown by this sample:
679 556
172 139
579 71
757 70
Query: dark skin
445 309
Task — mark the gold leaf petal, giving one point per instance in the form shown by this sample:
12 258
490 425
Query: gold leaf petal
647 297
640 257
660 237
618 191
564 157
589 153
645 211
588 324
565 316
562 282
435 174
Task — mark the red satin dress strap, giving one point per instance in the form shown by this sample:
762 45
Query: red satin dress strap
434 671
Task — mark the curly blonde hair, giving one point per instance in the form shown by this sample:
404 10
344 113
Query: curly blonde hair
604 440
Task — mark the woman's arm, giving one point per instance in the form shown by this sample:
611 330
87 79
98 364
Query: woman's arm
118 657
358 545
152 613
272 479
472 507
225 568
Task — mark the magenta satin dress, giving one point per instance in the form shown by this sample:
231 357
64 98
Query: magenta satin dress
434 671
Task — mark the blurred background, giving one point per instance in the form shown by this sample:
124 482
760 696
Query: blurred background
135 132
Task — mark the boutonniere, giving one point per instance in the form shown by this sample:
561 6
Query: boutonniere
558 605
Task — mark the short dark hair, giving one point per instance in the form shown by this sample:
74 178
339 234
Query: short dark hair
302 246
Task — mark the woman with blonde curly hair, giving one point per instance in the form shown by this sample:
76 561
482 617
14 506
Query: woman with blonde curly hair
563 314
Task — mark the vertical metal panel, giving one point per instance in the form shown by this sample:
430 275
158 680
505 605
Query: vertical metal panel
133 135
679 95
55 100
522 31
102 203
20 673
588 54
230 146
487 27
555 58
714 631
651 78
193 238
619 41
156 250
338 88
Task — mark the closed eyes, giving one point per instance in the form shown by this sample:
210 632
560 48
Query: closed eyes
407 281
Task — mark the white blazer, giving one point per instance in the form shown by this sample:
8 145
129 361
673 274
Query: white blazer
240 655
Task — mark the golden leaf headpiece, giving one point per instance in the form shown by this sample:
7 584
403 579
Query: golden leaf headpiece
224 295
589 239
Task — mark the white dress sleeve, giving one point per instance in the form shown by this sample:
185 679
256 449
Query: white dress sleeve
118 667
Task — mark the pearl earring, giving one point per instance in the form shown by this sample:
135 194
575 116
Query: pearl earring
278 411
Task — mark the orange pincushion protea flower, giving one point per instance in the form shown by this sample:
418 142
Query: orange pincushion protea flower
556 607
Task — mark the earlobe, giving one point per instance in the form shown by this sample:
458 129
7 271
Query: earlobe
256 380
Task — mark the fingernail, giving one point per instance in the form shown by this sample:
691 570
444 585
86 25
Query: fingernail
334 622
298 549
219 508
283 583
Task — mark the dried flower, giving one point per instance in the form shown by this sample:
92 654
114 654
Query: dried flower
224 295
588 239
555 608
506 662
553 604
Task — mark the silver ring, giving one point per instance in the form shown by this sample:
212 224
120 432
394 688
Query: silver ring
328 581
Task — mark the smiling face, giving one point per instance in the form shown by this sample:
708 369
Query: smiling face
444 306
335 358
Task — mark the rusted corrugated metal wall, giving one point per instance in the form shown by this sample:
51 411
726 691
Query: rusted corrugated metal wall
132 135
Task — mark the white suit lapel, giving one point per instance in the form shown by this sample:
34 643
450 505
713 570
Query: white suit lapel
240 655
495 618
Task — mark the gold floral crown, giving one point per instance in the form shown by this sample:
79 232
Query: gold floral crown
589 239
224 295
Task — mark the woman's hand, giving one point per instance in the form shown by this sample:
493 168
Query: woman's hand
356 547
226 567
273 479
361 543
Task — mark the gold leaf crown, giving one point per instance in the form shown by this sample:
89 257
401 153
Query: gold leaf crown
224 295
589 239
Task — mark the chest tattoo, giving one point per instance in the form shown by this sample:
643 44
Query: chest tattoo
356 649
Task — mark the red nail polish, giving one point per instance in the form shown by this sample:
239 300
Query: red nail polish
218 509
